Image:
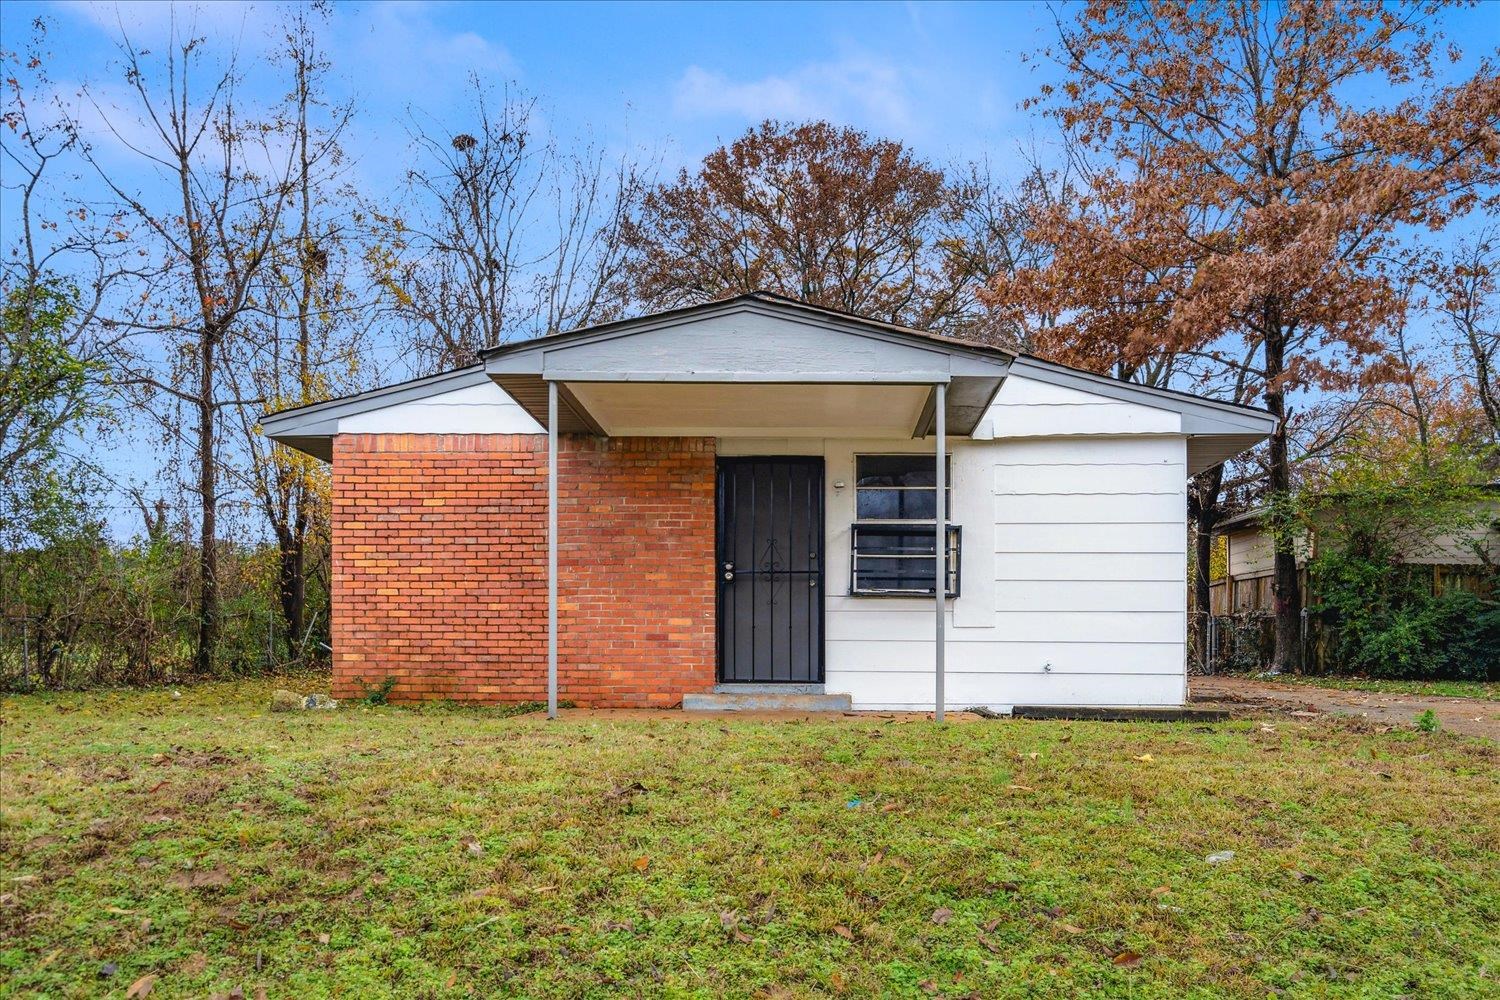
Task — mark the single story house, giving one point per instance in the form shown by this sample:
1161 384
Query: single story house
1243 584
745 497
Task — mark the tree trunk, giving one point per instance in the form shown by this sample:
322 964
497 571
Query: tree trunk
293 586
1203 506
208 558
1286 590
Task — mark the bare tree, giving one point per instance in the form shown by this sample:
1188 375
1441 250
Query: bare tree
218 183
302 332
505 236
1466 287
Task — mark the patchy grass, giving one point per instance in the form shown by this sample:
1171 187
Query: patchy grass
1376 685
452 852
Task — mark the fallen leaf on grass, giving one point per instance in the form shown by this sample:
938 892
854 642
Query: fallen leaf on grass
1127 959
843 932
1021 788
626 791
730 921
141 988
989 945
1144 758
1071 928
1161 890
324 938
942 915
641 864
200 878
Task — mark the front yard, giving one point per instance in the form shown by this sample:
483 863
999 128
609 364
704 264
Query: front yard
450 852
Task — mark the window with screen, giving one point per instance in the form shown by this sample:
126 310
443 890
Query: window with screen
892 540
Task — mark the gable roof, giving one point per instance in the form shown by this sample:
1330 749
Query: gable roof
674 346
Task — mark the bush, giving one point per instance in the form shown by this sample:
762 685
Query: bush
1384 616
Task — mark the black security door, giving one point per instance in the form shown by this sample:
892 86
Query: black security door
770 569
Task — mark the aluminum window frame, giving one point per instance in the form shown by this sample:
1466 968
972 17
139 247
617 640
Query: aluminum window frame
917 527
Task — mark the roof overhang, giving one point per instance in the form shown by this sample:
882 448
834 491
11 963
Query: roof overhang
1216 431
754 364
763 366
311 428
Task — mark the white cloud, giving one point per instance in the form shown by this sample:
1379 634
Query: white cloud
853 88
153 17
408 53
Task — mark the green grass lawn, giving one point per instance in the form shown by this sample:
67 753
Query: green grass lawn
1447 689
456 852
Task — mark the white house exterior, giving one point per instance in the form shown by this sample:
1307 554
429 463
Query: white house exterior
1068 491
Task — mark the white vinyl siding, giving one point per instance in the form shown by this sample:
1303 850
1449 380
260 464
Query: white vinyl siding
475 409
1074 572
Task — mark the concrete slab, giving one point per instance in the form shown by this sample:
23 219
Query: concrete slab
1122 714
766 701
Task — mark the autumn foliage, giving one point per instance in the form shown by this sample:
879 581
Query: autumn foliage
1251 176
815 211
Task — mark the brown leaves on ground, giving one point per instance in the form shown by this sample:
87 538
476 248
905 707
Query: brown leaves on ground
730 921
201 878
142 987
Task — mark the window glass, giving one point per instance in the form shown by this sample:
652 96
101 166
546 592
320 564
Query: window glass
896 488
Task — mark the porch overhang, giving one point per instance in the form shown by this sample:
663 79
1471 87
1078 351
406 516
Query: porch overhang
754 366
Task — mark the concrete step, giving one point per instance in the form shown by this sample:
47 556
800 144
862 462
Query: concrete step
764 698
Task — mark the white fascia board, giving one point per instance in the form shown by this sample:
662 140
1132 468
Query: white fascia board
322 418
1200 416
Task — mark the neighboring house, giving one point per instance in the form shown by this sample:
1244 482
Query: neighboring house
1245 583
747 496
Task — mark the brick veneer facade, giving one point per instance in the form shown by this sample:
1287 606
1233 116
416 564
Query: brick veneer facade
440 567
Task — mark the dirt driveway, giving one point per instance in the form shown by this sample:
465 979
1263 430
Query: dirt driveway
1470 716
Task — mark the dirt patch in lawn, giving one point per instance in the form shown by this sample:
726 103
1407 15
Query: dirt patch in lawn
1470 716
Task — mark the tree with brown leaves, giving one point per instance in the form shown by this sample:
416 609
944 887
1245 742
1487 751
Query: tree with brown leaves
815 211
1266 165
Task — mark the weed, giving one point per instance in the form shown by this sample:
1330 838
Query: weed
378 694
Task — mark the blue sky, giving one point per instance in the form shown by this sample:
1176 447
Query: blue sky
674 79
670 80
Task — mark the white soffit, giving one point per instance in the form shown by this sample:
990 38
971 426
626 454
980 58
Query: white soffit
738 409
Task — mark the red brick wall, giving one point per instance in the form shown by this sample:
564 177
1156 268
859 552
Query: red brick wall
440 562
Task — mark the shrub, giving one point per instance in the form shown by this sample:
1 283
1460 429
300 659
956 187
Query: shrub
1385 617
